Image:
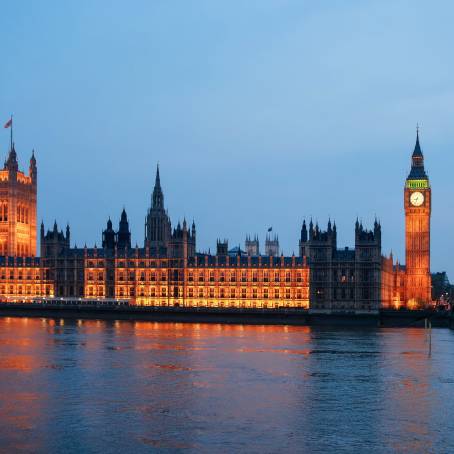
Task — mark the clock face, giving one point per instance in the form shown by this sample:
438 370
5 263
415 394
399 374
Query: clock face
416 199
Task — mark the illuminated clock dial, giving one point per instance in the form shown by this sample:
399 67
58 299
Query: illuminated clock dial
416 199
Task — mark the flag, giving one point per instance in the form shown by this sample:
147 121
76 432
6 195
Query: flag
270 229
9 123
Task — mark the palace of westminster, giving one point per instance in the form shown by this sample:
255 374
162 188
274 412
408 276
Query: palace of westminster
168 271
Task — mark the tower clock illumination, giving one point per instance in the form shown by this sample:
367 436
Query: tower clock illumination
417 199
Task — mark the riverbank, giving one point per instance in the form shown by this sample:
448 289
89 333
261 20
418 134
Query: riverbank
389 318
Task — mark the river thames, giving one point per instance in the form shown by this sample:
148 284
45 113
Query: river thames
97 386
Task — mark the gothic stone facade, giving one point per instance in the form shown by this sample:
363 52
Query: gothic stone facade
18 208
343 279
168 271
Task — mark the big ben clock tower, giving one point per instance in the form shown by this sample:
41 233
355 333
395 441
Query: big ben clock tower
417 202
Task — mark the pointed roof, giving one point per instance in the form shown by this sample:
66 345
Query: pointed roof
417 151
158 196
417 171
157 183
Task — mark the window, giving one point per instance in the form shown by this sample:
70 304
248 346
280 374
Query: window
287 277
243 293
265 293
200 292
276 293
276 277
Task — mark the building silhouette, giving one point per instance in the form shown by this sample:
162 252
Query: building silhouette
167 270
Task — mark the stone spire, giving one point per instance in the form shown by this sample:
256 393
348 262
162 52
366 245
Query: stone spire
158 196
417 171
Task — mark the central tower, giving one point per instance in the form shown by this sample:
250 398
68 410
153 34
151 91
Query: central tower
417 202
157 222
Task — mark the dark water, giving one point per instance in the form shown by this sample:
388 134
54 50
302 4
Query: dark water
92 386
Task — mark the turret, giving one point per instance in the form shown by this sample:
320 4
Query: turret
222 247
68 236
124 235
304 232
193 232
252 246
54 242
32 170
11 162
108 236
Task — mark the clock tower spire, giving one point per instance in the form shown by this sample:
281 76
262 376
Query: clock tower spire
417 203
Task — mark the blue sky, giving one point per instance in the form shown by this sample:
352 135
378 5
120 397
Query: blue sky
260 113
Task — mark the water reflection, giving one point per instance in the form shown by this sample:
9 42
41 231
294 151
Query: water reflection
80 385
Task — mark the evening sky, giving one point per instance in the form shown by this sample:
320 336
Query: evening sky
260 113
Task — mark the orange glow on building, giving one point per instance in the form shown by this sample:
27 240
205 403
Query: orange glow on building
23 278
18 208
417 203
168 271
204 281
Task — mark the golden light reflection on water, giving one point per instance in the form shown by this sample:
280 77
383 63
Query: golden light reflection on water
220 386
